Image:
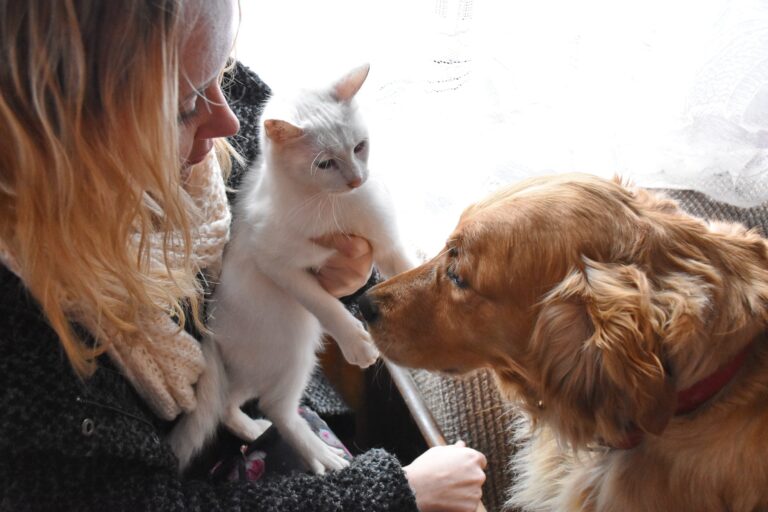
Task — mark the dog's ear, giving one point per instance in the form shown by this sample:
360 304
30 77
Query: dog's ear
596 340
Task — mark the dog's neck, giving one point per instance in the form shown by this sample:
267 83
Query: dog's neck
691 398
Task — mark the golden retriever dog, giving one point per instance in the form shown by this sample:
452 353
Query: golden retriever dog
632 335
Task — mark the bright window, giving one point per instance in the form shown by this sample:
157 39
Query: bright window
465 95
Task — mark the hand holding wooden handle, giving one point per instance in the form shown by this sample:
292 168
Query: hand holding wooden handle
421 415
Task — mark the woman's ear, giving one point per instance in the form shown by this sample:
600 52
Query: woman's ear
598 343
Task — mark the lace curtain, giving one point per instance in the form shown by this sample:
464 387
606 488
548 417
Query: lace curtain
465 95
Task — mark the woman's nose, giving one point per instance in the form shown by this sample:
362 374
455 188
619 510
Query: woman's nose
219 120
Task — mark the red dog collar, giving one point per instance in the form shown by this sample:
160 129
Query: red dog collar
688 400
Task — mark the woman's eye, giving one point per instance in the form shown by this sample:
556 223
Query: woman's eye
187 115
326 164
455 279
360 147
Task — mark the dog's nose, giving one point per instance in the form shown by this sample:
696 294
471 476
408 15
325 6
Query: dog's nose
368 308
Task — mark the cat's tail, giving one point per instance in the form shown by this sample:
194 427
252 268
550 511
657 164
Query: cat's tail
194 429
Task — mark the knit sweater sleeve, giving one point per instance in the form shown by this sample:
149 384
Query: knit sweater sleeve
90 444
373 482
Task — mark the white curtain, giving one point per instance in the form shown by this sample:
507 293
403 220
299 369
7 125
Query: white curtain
466 95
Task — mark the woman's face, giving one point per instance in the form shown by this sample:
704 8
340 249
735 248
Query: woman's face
203 111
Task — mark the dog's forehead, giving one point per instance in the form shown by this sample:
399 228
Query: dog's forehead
482 239
471 230
489 218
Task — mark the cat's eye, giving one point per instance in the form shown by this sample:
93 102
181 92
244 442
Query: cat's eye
326 164
360 147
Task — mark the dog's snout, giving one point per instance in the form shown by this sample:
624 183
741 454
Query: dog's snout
368 308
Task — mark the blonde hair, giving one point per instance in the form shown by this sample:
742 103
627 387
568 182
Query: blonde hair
89 161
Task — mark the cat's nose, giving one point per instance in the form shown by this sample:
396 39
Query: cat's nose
355 183
368 308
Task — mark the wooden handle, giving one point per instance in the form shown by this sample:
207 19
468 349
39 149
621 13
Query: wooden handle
421 415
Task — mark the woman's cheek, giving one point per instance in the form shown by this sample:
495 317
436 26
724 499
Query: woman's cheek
186 141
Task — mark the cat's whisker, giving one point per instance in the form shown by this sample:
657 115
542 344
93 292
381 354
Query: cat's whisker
334 217
306 204
333 204
298 210
313 169
316 221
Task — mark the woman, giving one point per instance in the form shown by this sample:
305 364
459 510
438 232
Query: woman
111 204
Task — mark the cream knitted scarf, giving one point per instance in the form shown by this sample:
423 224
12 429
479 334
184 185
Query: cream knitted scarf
164 362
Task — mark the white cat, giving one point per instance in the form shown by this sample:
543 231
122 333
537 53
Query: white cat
269 311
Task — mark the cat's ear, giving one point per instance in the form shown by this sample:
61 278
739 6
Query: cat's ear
281 131
346 88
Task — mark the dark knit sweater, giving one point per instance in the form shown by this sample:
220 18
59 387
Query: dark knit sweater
72 444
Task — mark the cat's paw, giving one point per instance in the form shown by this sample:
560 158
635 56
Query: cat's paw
329 458
326 458
244 427
256 428
357 346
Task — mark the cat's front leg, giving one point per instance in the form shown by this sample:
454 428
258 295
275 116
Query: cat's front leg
243 426
354 341
318 455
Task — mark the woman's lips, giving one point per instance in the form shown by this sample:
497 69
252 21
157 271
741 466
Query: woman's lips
198 156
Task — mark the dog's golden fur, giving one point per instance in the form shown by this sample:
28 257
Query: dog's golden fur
594 303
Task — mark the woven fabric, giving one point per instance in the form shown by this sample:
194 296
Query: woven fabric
470 408
321 396
702 205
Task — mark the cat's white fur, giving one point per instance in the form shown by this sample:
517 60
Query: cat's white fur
269 310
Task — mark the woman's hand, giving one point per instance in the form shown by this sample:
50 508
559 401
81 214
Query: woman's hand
349 268
447 478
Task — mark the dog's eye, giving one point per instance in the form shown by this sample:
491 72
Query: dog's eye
455 279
